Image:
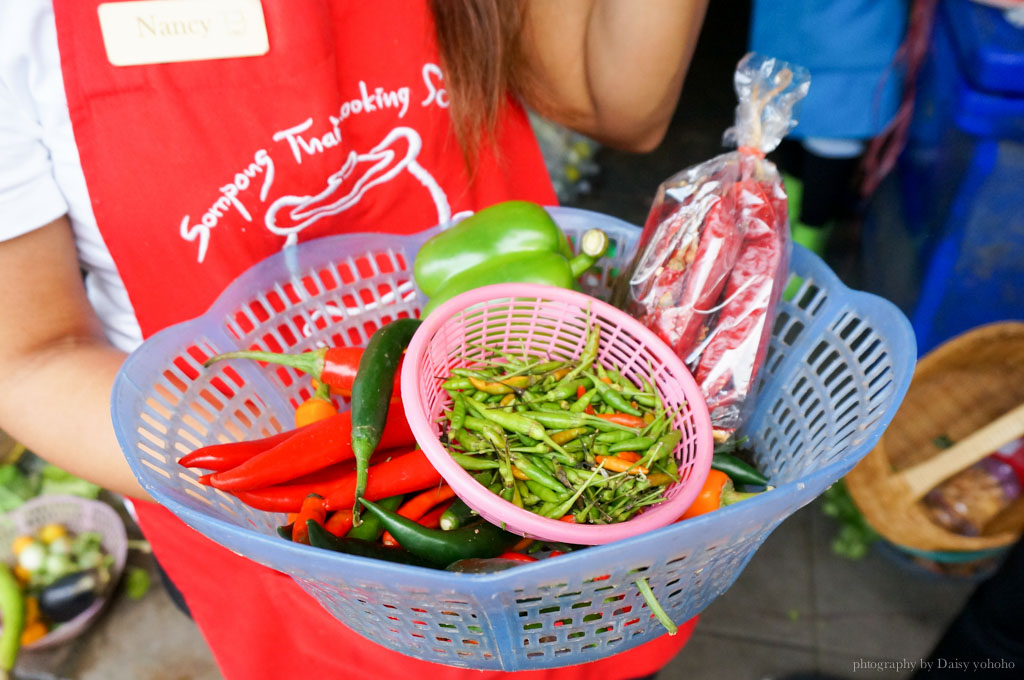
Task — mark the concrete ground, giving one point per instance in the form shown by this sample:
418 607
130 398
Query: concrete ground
797 606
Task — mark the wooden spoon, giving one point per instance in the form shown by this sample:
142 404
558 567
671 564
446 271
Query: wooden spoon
925 476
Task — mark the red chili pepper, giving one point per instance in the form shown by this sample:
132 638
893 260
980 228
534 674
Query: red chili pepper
313 508
555 553
401 474
312 448
339 523
739 340
220 457
432 520
580 391
318 481
518 557
623 419
678 316
333 366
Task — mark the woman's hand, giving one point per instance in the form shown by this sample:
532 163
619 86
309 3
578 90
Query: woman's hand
56 368
611 69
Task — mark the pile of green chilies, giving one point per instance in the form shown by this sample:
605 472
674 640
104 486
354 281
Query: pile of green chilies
570 440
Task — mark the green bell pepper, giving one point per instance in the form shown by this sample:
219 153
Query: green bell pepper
498 230
550 268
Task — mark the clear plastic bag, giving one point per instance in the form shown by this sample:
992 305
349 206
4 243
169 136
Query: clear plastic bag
712 260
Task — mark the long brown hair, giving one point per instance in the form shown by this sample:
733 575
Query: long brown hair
482 63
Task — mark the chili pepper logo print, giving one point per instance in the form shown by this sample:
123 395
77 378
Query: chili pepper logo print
396 153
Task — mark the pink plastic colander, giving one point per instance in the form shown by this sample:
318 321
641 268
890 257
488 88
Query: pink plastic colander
551 322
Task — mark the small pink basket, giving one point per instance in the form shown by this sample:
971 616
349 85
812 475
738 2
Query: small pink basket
550 321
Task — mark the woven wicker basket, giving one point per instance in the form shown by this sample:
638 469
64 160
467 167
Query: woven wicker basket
958 388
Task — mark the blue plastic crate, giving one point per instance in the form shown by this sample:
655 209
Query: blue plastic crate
954 257
838 367
990 49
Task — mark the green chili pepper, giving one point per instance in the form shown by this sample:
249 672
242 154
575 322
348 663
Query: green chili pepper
527 441
636 444
565 420
474 462
537 448
586 360
548 406
469 441
581 404
562 509
739 471
642 398
505 470
371 529
457 384
527 497
488 429
613 398
499 385
371 395
547 367
458 514
528 468
621 380
321 538
662 448
565 436
439 547
615 436
514 422
544 493
458 415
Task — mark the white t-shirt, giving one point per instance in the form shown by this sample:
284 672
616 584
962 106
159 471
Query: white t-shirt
40 172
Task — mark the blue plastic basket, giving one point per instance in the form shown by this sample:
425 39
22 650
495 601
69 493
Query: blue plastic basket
839 365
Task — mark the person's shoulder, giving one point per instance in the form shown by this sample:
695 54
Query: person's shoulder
28 47
24 25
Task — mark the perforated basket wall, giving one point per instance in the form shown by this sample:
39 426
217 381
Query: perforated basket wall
839 365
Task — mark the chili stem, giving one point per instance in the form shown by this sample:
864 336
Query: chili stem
652 602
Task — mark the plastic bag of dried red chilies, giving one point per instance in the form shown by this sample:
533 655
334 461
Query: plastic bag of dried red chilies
713 258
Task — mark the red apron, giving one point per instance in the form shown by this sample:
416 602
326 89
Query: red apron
198 170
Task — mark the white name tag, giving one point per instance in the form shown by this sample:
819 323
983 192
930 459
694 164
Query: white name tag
164 31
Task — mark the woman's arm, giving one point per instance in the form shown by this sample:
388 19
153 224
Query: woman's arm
56 368
611 69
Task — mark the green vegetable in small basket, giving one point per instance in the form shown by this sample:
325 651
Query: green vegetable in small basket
571 443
